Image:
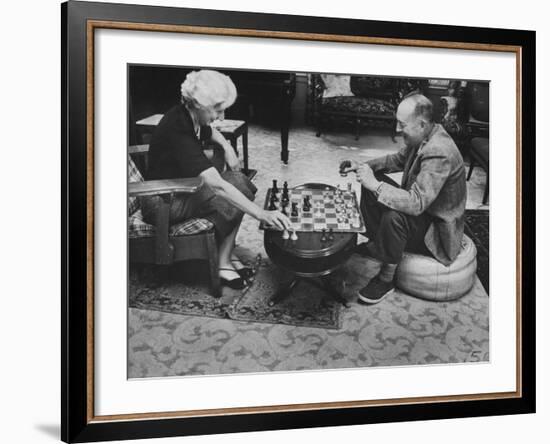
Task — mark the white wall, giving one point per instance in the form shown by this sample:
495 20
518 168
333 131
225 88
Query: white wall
30 268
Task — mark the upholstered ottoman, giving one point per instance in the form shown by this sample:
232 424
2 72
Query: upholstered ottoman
426 278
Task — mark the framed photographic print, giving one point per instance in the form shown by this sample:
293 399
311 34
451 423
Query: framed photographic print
275 221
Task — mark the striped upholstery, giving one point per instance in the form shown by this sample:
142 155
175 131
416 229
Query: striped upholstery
138 228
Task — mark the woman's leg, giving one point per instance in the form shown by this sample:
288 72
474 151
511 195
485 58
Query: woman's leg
226 248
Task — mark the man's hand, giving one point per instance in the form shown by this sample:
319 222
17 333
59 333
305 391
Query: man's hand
347 166
365 176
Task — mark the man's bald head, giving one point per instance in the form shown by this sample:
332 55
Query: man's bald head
415 118
417 105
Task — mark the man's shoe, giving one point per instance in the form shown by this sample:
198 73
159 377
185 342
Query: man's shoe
375 291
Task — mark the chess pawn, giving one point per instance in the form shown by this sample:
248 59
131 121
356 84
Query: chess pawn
293 236
274 188
285 235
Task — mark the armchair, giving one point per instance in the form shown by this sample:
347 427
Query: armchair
162 244
465 116
478 130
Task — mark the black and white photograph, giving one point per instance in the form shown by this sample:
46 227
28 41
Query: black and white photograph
280 221
296 221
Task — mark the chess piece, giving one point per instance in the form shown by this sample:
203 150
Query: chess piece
294 211
283 210
285 235
285 187
324 235
293 236
284 197
274 189
344 165
272 205
331 234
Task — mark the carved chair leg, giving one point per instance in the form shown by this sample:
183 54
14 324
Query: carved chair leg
318 124
212 249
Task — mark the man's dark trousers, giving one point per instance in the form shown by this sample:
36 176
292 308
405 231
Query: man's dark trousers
391 232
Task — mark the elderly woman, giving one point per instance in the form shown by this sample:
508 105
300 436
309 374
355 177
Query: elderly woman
176 151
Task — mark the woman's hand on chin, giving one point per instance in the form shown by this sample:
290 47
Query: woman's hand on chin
233 165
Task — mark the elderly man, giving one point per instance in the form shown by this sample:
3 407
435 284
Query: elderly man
426 213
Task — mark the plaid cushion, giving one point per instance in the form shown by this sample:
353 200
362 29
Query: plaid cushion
138 228
133 176
191 226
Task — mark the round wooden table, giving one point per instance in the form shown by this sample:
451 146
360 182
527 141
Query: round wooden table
309 258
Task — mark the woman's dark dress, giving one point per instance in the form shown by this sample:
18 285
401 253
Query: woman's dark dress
175 152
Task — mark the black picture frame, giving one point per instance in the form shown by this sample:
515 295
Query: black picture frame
78 423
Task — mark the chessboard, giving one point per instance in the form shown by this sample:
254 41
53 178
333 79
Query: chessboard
313 209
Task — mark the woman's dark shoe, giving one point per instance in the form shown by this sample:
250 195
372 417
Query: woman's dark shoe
244 272
236 284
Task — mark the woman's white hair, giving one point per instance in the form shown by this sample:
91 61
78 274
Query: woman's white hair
208 89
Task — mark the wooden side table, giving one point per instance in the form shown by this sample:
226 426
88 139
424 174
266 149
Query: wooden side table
230 129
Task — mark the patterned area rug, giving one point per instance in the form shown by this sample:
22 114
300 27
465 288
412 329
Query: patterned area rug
307 306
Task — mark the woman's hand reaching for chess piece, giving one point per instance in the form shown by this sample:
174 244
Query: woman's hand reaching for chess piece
276 219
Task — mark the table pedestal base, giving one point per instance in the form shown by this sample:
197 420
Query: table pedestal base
321 282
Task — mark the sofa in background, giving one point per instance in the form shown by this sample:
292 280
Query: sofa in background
358 102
